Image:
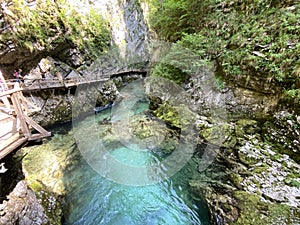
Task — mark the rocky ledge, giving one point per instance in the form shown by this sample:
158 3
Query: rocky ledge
22 207
254 178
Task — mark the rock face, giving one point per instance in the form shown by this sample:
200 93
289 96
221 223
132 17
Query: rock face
254 172
44 167
253 166
284 132
206 95
20 49
129 30
23 207
61 106
56 105
61 58
58 36
256 178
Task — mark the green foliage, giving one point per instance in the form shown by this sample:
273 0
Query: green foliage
172 18
293 94
294 183
219 83
87 31
34 29
246 38
169 72
178 64
50 23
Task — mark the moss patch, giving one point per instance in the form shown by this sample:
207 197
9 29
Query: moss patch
255 212
178 116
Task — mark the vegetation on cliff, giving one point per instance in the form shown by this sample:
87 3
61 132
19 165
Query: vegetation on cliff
42 25
254 46
246 39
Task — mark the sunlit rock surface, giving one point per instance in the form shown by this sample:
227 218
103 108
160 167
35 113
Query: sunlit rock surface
22 207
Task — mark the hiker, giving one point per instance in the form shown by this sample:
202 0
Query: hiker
18 76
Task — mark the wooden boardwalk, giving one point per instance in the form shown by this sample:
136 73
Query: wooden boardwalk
44 83
16 127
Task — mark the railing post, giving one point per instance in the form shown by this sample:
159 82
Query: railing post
39 83
20 114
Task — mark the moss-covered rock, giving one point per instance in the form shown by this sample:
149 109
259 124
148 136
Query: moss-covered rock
154 133
43 167
179 116
220 135
253 211
23 207
34 29
246 126
250 154
283 132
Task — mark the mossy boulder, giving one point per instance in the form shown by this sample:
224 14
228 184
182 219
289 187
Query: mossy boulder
43 167
250 154
253 211
220 134
179 116
246 126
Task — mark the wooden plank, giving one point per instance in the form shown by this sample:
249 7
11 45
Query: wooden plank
15 126
36 127
44 84
9 141
26 101
20 115
9 92
39 136
4 134
10 148
5 118
9 126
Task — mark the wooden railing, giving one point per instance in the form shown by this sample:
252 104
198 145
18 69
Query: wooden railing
16 127
34 84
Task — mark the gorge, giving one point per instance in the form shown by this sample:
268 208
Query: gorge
232 141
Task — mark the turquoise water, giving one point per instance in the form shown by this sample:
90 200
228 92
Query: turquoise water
105 197
96 200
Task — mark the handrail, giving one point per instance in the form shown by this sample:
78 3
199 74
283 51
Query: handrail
49 83
18 106
9 92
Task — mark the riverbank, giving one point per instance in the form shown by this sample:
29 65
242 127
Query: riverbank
256 156
248 170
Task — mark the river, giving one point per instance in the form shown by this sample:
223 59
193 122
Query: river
97 197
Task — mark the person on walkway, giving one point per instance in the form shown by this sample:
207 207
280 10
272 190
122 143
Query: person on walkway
3 87
18 75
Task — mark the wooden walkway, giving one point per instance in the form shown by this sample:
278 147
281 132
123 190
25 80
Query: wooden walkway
55 83
16 127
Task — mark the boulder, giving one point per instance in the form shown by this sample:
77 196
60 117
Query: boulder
22 207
